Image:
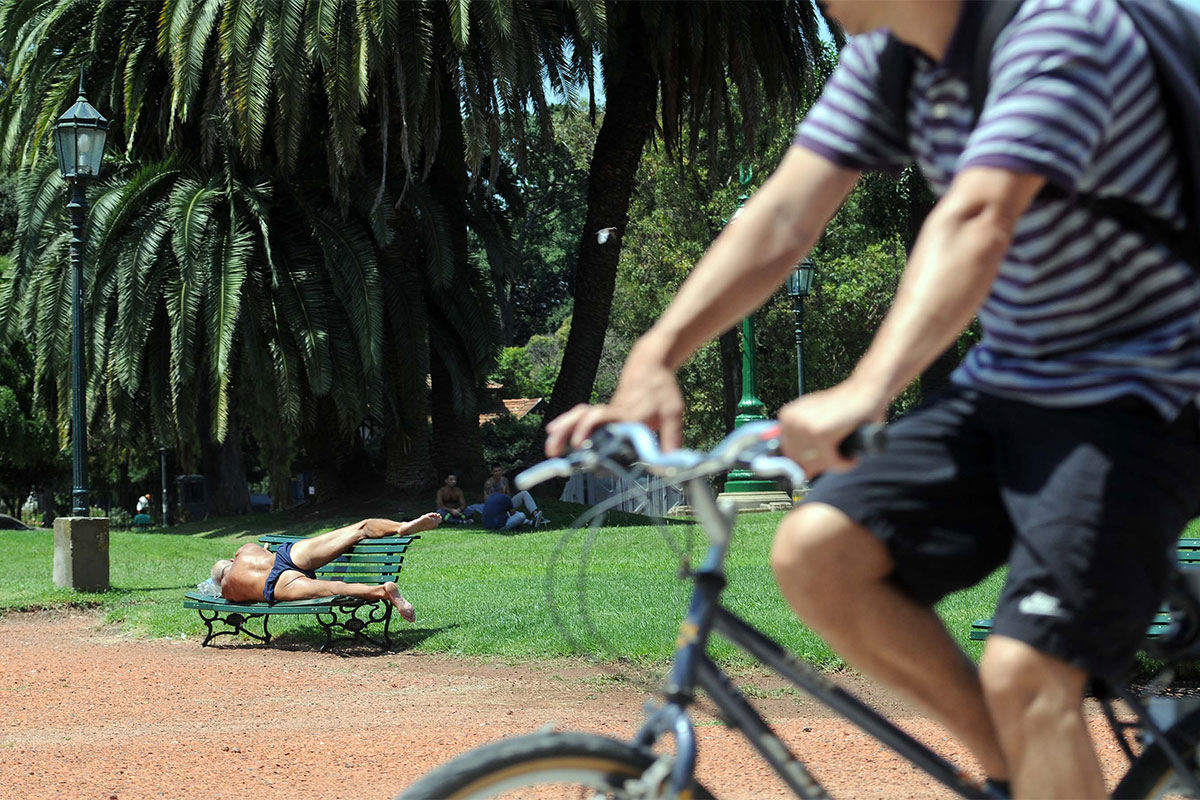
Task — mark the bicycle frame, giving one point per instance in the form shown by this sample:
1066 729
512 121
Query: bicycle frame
693 667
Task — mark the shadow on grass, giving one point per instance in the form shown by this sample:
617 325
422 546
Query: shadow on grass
121 590
308 519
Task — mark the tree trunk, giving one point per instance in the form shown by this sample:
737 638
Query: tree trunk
225 488
503 295
458 445
731 377
628 120
409 467
226 491
323 445
46 501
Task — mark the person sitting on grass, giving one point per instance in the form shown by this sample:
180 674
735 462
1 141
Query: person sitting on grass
499 511
255 573
451 503
496 483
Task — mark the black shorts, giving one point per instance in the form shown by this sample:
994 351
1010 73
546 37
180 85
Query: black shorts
1084 504
283 563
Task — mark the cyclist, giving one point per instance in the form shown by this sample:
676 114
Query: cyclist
1068 446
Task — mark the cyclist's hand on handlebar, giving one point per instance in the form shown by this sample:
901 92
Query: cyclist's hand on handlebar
814 425
647 392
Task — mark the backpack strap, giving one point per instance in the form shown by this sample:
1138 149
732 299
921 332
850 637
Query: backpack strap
895 75
1173 37
996 15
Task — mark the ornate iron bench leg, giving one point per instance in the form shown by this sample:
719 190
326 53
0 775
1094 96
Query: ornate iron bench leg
235 622
327 627
387 624
356 623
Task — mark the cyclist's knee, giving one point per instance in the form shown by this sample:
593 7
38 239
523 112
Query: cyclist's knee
819 549
1024 687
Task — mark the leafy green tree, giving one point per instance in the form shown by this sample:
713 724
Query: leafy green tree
546 203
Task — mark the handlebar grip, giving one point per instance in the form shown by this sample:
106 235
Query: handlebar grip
866 440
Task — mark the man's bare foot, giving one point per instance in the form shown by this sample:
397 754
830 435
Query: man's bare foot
395 598
425 522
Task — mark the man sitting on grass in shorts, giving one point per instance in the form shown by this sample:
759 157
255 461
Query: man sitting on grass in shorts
451 503
256 574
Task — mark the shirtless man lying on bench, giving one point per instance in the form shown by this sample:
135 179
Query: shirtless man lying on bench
256 574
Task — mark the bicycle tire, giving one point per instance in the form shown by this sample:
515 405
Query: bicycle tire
1151 774
549 760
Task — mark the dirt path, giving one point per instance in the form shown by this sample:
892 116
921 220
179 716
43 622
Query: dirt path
89 713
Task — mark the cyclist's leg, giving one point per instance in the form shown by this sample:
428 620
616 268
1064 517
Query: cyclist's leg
1036 702
1097 496
865 559
834 574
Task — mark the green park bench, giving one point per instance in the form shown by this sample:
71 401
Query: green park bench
1189 558
372 561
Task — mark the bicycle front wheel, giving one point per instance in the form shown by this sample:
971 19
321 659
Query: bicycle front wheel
550 765
1152 774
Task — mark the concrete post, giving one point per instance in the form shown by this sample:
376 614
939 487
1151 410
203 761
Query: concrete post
81 553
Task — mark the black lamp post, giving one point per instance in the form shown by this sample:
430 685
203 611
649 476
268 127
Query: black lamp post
799 284
162 455
79 138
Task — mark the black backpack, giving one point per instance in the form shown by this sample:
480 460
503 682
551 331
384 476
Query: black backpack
1172 34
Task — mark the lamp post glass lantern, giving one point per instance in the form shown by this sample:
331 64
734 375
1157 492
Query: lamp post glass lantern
79 138
799 284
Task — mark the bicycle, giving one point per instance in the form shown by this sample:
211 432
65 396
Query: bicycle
1166 732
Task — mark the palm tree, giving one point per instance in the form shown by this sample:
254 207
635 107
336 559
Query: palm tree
685 58
267 142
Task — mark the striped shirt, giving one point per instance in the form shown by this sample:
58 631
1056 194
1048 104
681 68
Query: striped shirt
1083 309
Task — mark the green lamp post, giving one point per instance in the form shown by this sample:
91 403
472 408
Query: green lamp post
80 541
750 408
79 137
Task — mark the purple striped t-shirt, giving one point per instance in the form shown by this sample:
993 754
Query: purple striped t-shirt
1084 309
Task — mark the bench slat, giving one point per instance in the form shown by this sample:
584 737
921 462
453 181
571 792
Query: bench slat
981 628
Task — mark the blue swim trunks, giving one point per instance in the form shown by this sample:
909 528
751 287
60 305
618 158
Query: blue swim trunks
283 562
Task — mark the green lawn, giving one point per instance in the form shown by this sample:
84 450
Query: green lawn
477 593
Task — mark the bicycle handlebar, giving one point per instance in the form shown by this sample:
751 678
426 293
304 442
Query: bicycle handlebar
755 445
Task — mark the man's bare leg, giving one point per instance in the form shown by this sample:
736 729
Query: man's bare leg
295 586
834 575
318 551
376 528
1036 702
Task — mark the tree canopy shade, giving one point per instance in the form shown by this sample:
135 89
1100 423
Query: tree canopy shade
279 242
